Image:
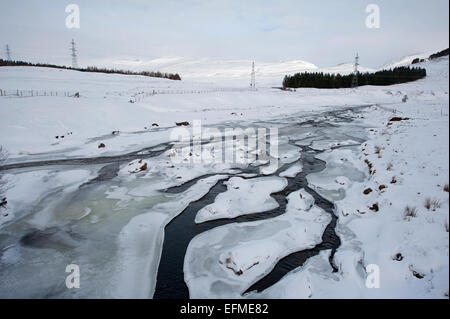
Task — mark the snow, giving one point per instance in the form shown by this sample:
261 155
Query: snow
103 108
414 154
214 67
292 171
243 196
121 220
26 189
406 61
338 176
225 261
140 242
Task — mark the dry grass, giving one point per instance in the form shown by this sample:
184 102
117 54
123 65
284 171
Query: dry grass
389 167
432 204
3 157
370 166
428 203
410 212
377 149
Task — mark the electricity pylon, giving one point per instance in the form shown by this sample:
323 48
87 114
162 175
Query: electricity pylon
8 53
253 81
355 72
74 55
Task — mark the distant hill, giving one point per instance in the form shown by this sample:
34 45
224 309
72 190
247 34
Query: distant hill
203 68
439 54
416 58
169 76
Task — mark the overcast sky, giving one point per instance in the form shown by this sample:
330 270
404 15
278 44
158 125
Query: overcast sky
323 32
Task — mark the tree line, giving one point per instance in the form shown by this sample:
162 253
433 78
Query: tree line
439 54
322 80
170 76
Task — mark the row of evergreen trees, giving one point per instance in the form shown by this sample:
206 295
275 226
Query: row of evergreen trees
169 76
439 54
322 80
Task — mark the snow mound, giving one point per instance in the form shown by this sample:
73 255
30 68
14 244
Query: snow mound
224 261
243 196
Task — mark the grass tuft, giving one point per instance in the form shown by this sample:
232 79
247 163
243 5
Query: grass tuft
377 149
410 212
432 204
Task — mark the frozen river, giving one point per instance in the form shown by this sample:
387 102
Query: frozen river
177 230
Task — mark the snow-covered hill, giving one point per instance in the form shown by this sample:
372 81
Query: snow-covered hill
216 68
344 68
405 61
213 67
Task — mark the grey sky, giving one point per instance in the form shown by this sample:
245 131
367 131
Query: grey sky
323 32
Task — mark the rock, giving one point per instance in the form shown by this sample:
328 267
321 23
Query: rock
374 207
381 187
398 257
115 132
76 95
172 153
398 119
155 124
101 145
137 166
182 123
367 191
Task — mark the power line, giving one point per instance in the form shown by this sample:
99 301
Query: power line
355 72
74 55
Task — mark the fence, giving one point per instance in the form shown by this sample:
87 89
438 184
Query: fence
32 93
137 97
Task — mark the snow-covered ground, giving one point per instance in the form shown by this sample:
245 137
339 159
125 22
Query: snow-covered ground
98 211
213 67
401 226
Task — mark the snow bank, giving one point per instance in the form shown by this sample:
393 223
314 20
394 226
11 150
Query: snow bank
401 224
243 196
225 261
